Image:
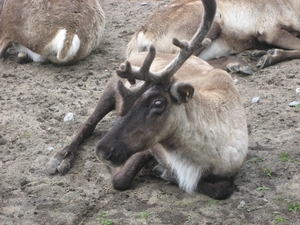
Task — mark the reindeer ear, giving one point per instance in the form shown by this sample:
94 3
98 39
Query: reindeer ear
182 92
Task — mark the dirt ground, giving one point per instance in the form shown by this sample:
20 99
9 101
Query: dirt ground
34 99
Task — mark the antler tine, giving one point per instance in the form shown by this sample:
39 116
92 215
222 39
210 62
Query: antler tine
142 73
130 95
188 48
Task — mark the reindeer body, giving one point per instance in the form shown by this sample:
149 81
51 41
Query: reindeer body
206 135
60 31
238 26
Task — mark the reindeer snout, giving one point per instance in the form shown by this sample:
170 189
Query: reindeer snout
111 155
104 154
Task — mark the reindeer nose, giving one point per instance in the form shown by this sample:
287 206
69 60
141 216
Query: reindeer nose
104 153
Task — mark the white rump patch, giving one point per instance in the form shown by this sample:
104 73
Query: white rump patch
57 44
188 174
34 56
72 50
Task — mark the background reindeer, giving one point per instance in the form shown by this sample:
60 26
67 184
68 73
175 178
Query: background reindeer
187 114
60 31
238 26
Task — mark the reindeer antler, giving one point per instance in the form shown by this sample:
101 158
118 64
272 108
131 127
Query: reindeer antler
164 76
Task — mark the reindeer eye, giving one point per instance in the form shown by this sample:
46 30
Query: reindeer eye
158 104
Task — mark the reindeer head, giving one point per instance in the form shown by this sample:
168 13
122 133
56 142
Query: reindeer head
146 116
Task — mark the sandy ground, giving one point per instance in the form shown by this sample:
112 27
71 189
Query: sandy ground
34 99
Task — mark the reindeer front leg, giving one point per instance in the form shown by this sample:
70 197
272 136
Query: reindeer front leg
123 176
63 160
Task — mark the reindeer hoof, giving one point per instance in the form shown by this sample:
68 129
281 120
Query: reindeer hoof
64 166
52 166
158 170
258 53
235 67
264 61
61 162
267 59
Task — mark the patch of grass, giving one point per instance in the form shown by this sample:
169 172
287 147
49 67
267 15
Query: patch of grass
144 215
256 159
279 198
268 172
103 220
189 218
27 134
160 196
285 157
212 204
22 146
294 207
262 188
188 204
280 219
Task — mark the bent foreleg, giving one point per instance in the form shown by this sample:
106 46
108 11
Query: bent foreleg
123 176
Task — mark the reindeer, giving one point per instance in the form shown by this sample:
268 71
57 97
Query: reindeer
238 26
186 114
63 32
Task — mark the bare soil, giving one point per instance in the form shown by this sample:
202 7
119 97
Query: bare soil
35 97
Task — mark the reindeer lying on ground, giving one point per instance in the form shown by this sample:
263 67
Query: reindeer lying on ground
60 31
239 25
187 115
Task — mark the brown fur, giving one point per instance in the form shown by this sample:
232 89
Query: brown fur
239 25
34 24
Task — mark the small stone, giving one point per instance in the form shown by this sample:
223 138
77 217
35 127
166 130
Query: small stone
294 104
144 3
50 148
69 117
297 91
242 203
235 81
255 99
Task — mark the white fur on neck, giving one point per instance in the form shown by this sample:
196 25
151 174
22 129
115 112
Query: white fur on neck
187 173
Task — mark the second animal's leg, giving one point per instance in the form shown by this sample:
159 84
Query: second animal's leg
231 64
284 40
